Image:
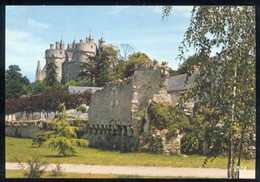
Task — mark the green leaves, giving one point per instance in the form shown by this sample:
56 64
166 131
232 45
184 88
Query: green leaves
15 83
63 138
165 115
225 83
51 72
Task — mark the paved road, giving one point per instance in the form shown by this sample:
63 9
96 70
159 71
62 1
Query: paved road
144 170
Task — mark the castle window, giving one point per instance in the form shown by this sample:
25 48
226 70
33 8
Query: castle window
60 52
91 47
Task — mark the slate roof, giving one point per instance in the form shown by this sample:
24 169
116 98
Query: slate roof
177 82
78 89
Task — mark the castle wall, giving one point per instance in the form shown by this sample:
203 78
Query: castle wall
70 70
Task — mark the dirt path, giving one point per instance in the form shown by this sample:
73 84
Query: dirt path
144 170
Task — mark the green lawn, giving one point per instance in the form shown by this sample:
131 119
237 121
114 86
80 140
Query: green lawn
19 174
21 148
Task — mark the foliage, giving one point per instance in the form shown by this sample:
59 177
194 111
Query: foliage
225 85
48 101
88 71
38 87
51 72
107 69
72 83
81 108
36 168
173 72
100 69
15 83
188 65
167 116
133 61
57 171
64 138
39 139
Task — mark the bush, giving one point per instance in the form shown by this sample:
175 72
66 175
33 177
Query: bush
167 116
36 168
190 144
81 108
57 171
39 139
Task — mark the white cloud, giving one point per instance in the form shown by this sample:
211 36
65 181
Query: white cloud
117 9
37 24
24 49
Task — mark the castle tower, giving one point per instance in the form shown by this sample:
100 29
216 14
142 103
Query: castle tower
61 44
58 54
101 42
38 71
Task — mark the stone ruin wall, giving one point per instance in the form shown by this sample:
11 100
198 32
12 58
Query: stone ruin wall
109 124
118 116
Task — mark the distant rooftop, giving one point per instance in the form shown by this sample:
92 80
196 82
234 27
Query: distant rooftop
78 89
177 82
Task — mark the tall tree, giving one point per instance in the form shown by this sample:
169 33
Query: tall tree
225 85
87 71
51 72
15 83
64 138
134 60
125 51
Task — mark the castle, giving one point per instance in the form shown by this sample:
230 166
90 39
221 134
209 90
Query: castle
68 60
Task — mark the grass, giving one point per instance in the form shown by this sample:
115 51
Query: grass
21 148
19 174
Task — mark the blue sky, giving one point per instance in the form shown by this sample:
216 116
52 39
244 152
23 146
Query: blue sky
31 29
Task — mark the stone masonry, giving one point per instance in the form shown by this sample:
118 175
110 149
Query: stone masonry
118 116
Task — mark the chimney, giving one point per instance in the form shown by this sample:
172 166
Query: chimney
57 45
51 46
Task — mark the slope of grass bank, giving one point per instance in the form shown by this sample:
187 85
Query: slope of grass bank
21 148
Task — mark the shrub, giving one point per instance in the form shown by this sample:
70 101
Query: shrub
36 168
64 138
39 139
167 116
81 108
57 171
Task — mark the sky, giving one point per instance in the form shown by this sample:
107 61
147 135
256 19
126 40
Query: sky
31 29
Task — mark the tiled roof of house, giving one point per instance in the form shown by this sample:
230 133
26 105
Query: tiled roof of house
178 82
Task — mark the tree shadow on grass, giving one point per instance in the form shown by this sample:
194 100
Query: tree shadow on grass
58 156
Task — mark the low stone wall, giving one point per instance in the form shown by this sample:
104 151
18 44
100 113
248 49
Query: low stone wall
24 116
24 129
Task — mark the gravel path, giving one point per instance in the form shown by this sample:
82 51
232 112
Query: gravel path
144 170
